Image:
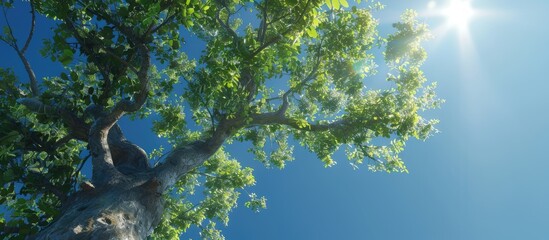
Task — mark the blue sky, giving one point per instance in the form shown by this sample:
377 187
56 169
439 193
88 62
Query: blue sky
484 176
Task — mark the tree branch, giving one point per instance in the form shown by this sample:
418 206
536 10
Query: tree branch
279 36
180 161
124 62
80 39
49 187
157 27
106 89
78 128
277 118
163 7
21 53
285 101
31 31
363 148
80 169
263 25
104 170
110 20
183 159
225 25
120 147
203 101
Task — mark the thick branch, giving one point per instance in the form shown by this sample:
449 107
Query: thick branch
183 159
124 153
103 166
180 161
140 97
128 158
104 170
32 77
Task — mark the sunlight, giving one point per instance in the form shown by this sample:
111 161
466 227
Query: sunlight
457 16
454 21
459 13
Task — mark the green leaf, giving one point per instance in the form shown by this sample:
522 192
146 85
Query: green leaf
8 175
74 75
189 23
328 3
66 57
64 76
311 32
335 4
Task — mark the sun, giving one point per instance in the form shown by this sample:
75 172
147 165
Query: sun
459 13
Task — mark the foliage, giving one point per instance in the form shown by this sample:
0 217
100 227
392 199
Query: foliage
279 71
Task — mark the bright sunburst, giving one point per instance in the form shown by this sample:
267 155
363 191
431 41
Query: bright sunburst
457 16
459 13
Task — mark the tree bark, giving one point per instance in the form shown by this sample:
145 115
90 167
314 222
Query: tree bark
127 210
130 207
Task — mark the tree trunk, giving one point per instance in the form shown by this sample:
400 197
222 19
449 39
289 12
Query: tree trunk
132 205
128 210
126 202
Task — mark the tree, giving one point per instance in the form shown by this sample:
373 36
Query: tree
282 71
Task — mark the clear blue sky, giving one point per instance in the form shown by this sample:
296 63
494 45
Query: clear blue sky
484 176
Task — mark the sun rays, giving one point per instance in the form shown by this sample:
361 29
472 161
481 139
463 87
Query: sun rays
458 16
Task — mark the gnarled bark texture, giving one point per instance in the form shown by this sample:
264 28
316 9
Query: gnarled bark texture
124 199
123 211
130 206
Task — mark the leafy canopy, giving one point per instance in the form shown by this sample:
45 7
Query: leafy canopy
272 71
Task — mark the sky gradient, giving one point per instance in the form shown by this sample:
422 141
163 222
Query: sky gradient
484 176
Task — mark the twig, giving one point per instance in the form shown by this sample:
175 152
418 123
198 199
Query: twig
226 26
80 169
21 52
280 35
203 101
154 29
